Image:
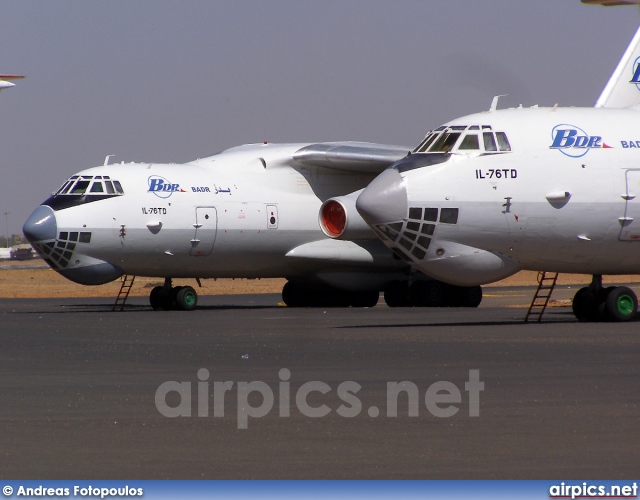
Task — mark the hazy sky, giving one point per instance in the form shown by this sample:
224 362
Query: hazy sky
171 81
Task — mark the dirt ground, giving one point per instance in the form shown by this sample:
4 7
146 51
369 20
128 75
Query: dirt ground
32 279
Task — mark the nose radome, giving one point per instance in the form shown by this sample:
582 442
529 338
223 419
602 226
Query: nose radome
385 199
41 225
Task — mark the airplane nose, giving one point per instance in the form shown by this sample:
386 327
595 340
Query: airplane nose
41 225
385 199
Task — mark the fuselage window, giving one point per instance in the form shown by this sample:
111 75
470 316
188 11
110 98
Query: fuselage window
489 142
503 142
470 142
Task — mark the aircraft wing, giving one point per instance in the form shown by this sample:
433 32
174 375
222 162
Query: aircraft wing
610 3
360 157
5 84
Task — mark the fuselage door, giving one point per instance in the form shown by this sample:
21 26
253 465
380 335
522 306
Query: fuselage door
204 237
630 220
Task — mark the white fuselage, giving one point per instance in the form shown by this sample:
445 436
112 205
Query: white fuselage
565 197
236 214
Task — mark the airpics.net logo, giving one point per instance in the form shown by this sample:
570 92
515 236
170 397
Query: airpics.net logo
257 399
573 141
163 188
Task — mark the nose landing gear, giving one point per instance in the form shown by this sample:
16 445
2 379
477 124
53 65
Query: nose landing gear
595 303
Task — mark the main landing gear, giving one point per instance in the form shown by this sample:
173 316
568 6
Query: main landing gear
595 303
167 297
294 295
431 293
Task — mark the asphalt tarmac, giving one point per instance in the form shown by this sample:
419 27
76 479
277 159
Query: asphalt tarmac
79 387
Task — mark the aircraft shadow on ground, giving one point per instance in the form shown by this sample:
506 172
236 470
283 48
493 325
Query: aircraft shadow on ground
103 308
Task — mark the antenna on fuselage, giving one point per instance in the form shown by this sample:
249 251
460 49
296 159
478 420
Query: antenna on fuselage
106 160
494 103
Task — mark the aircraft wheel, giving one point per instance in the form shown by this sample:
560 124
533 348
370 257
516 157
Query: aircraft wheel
293 296
160 299
333 298
155 298
590 305
583 305
427 294
365 299
470 296
621 304
186 298
396 294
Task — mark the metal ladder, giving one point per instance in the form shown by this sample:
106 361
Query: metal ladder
546 284
123 294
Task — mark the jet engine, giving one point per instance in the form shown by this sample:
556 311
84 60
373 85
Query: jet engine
340 220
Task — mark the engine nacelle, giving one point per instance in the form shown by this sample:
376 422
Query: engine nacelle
340 220
463 265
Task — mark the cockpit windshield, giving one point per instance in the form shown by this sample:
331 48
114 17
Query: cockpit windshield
82 189
89 184
464 139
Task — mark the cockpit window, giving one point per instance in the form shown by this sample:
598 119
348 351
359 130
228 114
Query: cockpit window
448 139
489 142
87 184
424 145
470 142
445 143
503 142
80 187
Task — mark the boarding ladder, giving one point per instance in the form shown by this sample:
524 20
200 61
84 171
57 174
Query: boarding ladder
546 284
123 294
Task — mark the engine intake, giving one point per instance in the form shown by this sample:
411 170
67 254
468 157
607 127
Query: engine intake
340 220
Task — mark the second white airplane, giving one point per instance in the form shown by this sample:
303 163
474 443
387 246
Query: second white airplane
547 189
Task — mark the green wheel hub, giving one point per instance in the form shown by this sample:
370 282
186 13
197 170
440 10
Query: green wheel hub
190 299
625 304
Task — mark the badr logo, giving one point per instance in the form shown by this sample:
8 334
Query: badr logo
574 142
162 187
636 73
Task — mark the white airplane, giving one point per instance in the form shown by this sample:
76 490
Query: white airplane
5 83
248 212
546 189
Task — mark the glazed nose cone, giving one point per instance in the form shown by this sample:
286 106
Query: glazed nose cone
41 225
385 199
